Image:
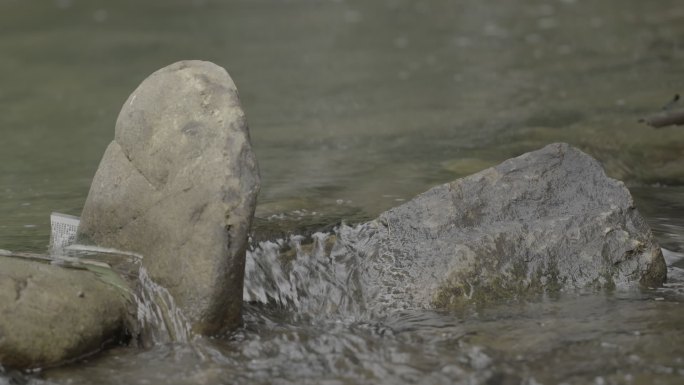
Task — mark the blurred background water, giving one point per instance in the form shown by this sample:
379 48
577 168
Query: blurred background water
354 107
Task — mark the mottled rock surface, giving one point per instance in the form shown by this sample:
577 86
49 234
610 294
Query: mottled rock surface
545 221
50 314
178 185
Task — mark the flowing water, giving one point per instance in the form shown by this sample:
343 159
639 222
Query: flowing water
354 107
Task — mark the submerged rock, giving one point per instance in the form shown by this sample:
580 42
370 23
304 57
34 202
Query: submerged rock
50 314
545 221
178 185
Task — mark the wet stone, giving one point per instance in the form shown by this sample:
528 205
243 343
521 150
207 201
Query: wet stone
50 314
544 222
178 185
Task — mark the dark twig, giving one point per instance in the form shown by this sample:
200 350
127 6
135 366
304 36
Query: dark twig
671 103
666 118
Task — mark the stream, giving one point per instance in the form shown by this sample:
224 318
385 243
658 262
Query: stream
355 107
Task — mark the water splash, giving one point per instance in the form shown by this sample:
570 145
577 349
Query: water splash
159 319
313 280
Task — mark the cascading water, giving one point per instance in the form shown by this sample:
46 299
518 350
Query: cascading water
306 300
325 278
159 319
316 282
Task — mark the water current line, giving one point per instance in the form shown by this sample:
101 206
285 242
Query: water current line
160 320
311 280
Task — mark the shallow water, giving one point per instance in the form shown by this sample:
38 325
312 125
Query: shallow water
307 325
354 107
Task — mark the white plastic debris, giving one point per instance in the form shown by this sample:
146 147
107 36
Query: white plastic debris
63 230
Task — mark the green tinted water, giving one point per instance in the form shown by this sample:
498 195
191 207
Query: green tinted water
355 106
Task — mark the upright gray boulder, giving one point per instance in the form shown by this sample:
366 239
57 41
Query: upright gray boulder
178 185
545 221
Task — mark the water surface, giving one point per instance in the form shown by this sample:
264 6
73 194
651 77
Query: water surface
354 107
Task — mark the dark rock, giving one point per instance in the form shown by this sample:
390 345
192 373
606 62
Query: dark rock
50 314
178 185
546 221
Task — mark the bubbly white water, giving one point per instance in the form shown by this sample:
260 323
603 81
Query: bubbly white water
316 283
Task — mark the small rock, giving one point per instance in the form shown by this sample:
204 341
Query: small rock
43 325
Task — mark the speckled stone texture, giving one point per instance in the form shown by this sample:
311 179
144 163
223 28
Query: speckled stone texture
546 221
50 314
178 185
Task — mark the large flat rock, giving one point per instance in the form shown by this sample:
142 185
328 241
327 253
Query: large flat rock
50 314
545 221
178 185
